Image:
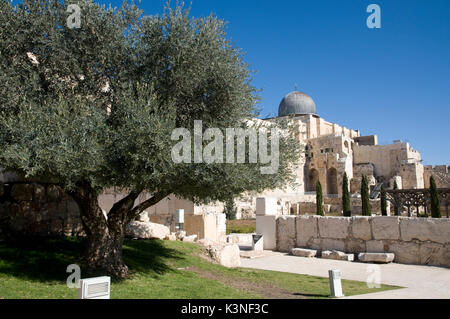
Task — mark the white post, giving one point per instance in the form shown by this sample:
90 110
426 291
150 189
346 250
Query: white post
335 283
266 221
179 219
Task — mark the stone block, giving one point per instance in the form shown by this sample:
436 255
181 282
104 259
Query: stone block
267 226
242 239
405 252
141 230
337 255
315 243
355 246
266 206
425 229
306 229
332 244
376 246
171 237
180 234
225 254
301 252
190 239
334 227
22 192
434 254
385 227
383 258
361 228
286 233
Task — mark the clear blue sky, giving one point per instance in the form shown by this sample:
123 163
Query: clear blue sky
393 81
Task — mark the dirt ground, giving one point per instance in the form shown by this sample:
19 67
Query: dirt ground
262 289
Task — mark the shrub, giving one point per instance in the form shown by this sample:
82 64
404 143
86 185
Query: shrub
346 197
435 205
319 199
366 209
383 201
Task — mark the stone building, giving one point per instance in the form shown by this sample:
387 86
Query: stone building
332 150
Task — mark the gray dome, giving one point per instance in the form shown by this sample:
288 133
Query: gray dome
296 103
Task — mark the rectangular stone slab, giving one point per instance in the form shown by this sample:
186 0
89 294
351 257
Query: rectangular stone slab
337 255
376 257
300 252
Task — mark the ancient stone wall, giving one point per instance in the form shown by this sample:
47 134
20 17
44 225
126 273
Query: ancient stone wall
386 158
412 175
334 206
441 176
43 209
38 209
423 241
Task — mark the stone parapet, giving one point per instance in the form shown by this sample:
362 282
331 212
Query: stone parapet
423 241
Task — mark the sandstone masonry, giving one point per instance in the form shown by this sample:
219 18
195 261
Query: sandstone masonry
413 240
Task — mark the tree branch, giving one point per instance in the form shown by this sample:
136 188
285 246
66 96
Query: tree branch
119 211
157 197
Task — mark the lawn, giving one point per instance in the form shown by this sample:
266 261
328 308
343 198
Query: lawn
159 269
241 226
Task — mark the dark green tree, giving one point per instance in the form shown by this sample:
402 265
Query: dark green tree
383 201
230 209
319 199
346 197
365 199
396 208
95 107
434 197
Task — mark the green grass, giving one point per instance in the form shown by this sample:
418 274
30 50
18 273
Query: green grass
241 226
159 269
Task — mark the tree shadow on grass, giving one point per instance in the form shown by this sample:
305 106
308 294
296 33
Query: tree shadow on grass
46 259
149 257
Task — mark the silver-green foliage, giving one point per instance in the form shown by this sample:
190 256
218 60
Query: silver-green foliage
97 104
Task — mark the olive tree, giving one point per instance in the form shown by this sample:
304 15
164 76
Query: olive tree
95 107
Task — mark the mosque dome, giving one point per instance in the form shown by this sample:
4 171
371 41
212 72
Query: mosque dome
296 103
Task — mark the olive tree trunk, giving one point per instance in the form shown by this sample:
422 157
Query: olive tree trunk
106 235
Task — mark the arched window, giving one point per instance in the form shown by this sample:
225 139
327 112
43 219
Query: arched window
311 180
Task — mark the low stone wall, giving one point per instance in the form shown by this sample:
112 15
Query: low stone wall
34 209
334 206
413 240
38 209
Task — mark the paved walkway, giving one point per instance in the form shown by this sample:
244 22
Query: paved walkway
420 282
